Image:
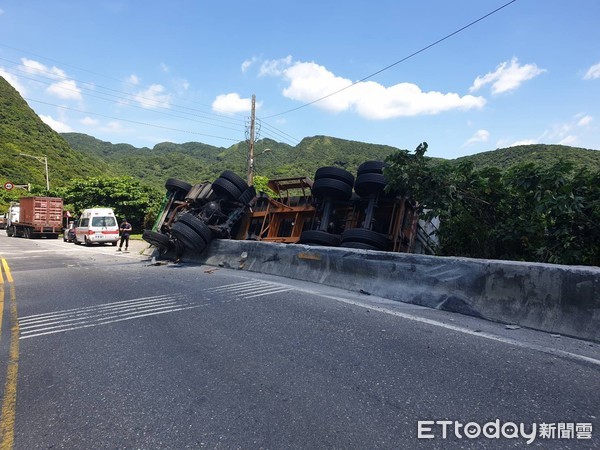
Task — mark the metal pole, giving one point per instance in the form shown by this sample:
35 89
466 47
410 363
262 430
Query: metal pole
251 147
47 179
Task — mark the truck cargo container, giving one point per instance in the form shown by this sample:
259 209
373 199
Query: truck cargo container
35 217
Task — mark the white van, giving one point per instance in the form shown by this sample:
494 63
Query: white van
97 225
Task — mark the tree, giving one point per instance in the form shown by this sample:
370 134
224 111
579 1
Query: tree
127 196
526 213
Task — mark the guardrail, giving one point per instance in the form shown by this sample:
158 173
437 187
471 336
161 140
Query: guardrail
557 299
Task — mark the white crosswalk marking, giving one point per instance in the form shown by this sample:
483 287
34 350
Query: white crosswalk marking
252 289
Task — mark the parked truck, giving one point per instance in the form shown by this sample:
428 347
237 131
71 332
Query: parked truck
35 217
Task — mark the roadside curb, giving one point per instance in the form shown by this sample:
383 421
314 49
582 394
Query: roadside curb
557 299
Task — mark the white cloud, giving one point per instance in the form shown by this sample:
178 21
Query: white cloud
164 67
232 103
275 67
153 97
479 136
88 121
593 72
568 140
64 88
13 81
309 81
133 79
523 142
249 62
59 127
585 121
507 76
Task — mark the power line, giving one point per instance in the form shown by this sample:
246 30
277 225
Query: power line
394 64
137 106
131 121
122 95
86 70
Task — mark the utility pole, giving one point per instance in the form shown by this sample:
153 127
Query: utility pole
251 143
43 159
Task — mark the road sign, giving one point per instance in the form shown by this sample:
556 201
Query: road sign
8 185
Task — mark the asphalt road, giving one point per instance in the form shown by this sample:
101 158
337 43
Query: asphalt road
100 349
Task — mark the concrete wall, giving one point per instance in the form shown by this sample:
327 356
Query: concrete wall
558 299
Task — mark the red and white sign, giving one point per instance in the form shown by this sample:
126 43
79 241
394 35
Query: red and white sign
8 185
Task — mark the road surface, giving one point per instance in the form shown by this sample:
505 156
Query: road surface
100 349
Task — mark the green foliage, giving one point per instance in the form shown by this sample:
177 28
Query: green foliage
528 212
23 132
127 196
261 185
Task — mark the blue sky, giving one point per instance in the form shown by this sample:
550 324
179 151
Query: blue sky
145 72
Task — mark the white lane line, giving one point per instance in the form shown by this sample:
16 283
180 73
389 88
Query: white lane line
484 335
89 316
270 293
61 315
98 319
111 321
77 318
226 286
245 289
106 305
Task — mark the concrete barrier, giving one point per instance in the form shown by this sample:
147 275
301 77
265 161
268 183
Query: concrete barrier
558 299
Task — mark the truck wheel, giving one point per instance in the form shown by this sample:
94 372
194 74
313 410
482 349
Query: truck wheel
331 188
235 179
189 238
161 241
225 188
362 235
197 225
371 167
336 173
318 237
369 184
359 245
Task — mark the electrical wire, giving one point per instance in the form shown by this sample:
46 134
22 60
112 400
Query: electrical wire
130 121
395 63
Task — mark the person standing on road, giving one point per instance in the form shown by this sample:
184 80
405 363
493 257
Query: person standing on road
125 230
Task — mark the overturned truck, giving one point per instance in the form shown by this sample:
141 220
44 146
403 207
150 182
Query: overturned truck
334 209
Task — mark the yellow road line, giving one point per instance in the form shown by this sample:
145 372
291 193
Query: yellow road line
9 401
9 277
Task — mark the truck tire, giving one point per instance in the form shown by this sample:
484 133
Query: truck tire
235 179
336 173
178 187
359 245
197 225
318 237
369 184
371 167
161 241
226 189
331 188
364 236
188 237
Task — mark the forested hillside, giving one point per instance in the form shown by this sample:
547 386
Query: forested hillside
195 162
23 132
538 154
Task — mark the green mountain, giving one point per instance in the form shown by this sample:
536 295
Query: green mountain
76 155
538 154
196 162
22 132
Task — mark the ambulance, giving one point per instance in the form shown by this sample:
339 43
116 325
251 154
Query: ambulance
97 225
